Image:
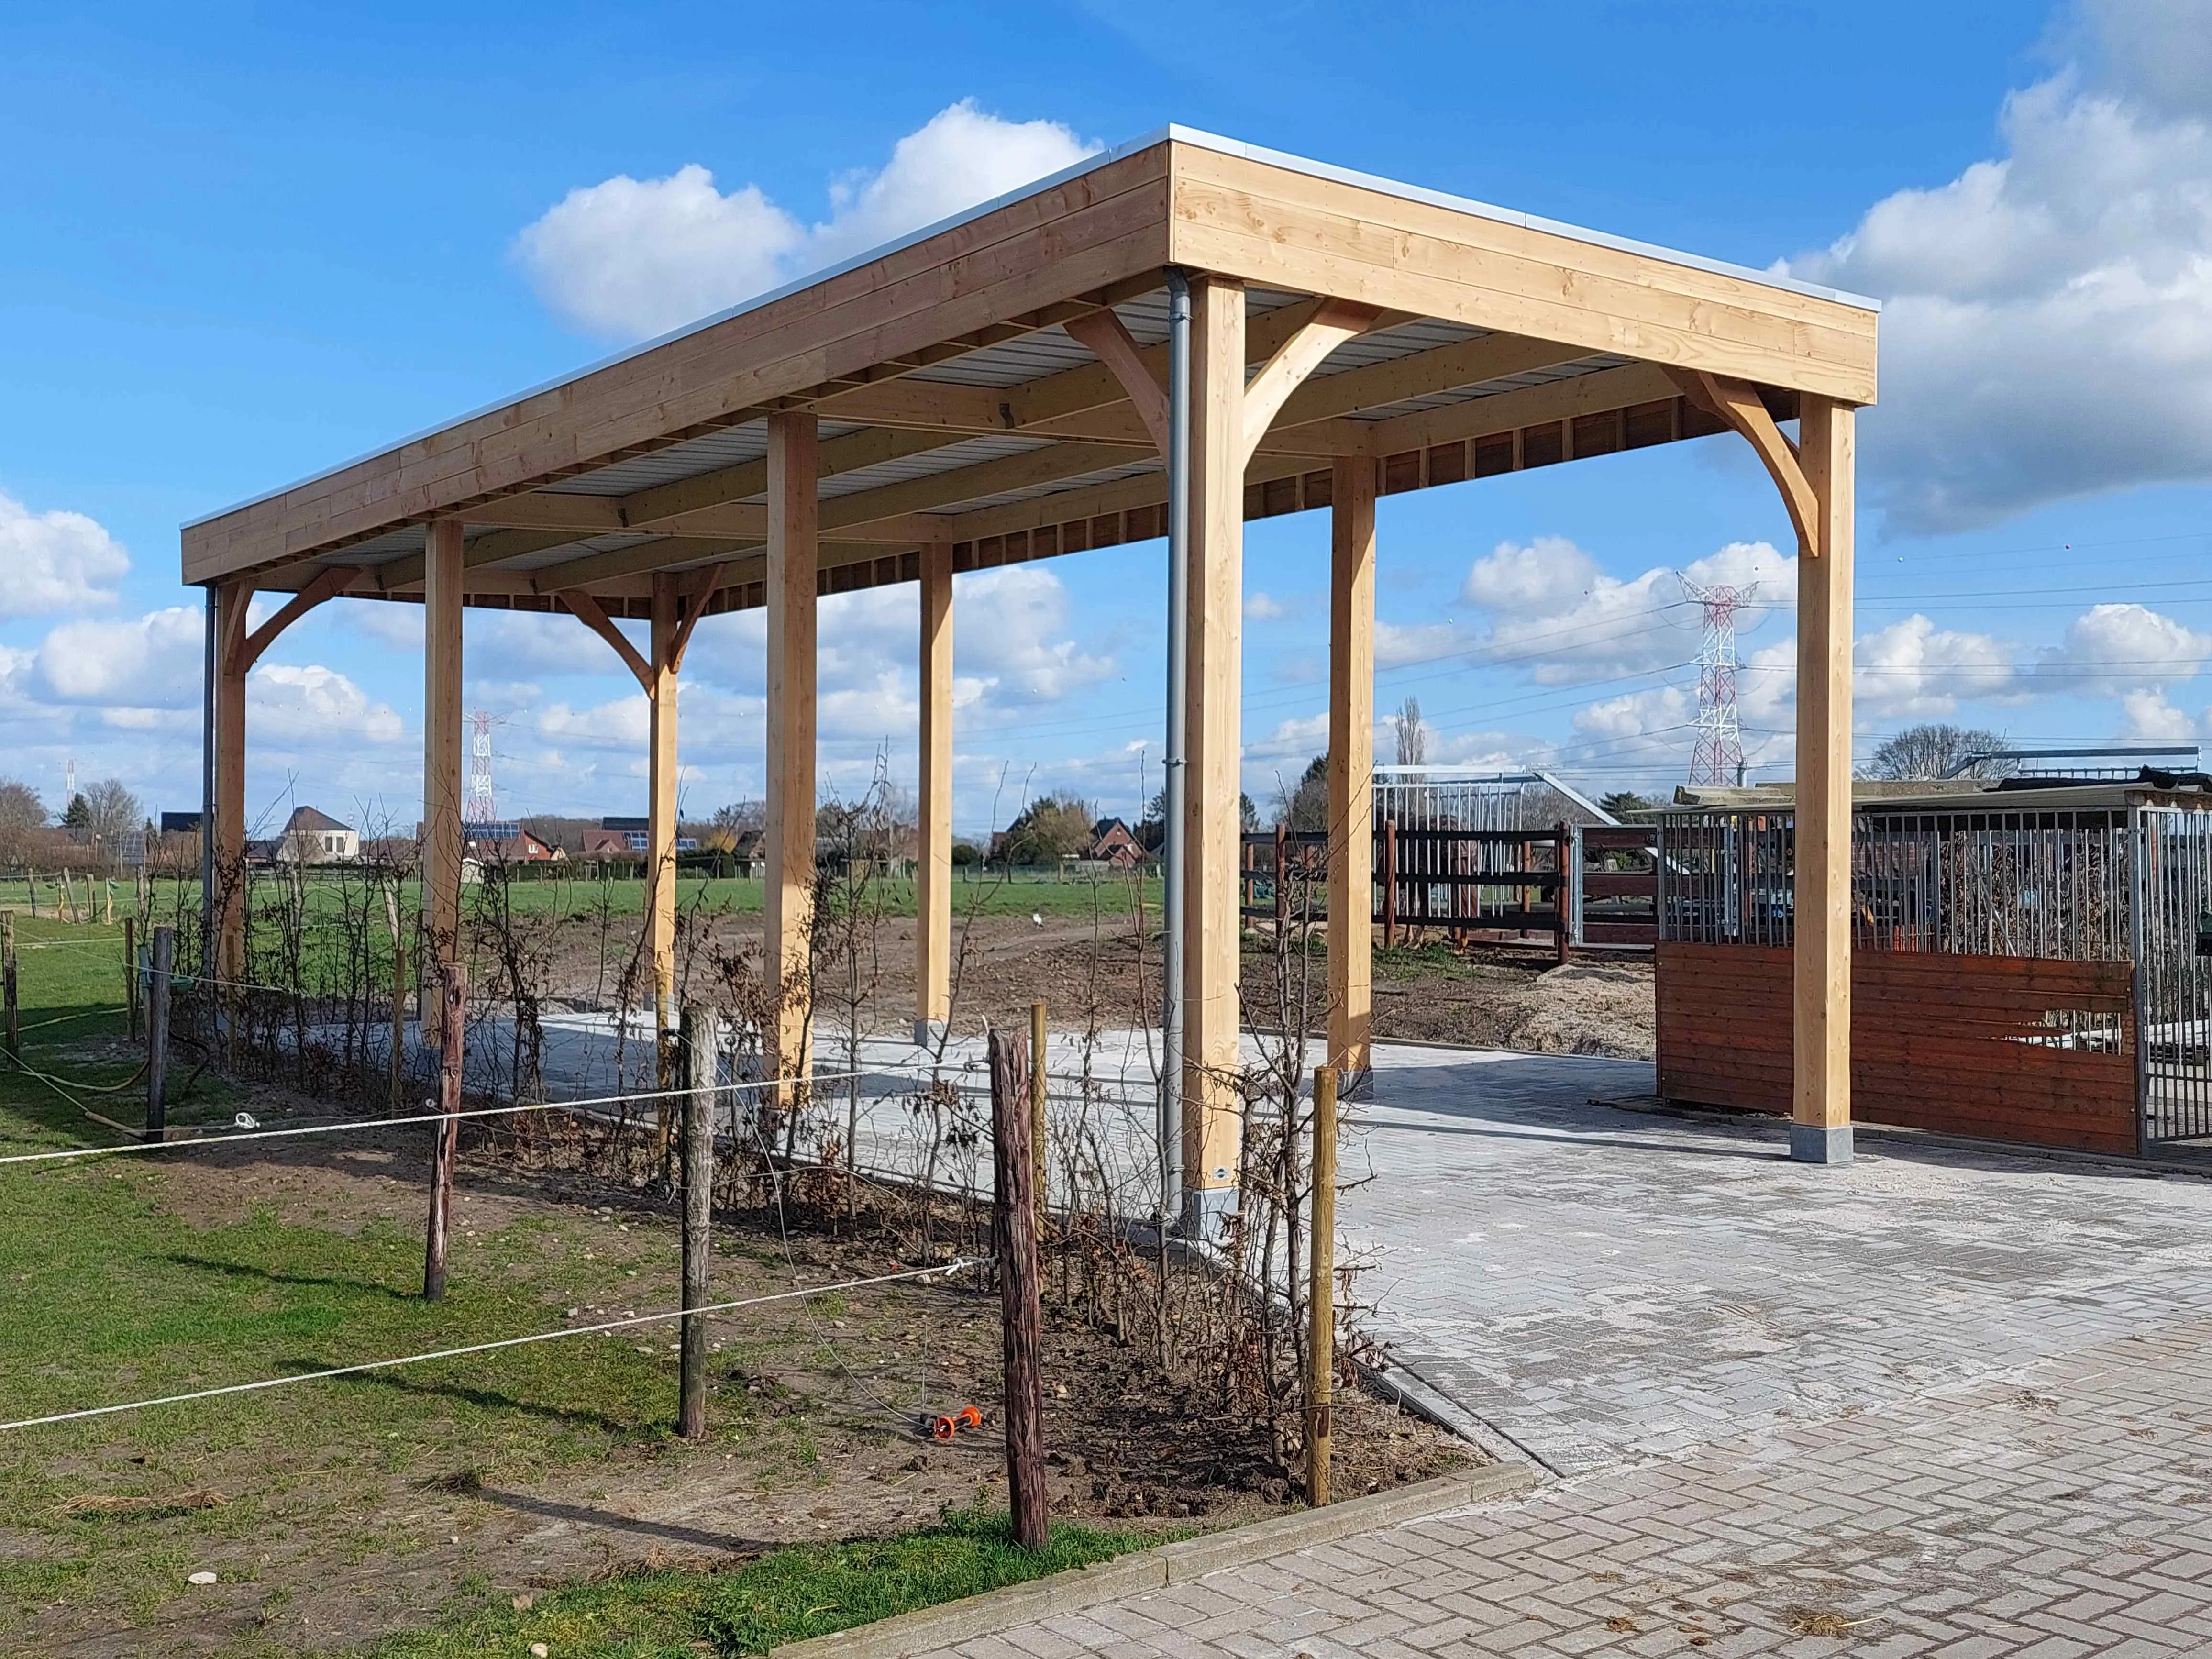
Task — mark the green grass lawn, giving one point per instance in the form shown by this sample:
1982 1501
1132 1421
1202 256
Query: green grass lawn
582 897
114 1288
783 1597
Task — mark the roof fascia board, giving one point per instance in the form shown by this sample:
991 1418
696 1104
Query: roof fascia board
1277 158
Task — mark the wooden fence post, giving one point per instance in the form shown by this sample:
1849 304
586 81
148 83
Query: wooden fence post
1282 887
157 1033
1389 883
452 1037
131 1027
1021 1313
398 1079
7 979
1041 1154
1563 898
697 1030
1321 1291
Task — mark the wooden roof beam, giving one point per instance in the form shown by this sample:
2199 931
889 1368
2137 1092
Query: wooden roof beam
1505 412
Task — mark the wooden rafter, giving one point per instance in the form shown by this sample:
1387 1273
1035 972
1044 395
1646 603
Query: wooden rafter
587 611
695 591
1107 338
1737 403
242 650
1298 356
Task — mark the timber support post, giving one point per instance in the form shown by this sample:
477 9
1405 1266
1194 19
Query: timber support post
1014 1233
700 1060
1820 1092
1213 830
446 1144
933 909
157 1034
441 752
1351 762
793 560
660 841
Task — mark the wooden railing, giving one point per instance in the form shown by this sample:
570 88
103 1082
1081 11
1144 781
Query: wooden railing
1569 884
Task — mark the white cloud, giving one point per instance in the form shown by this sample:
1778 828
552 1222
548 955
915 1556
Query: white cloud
960 157
1398 646
2111 649
313 704
1299 738
392 624
2047 322
1639 730
1026 649
1264 607
55 561
2151 719
1553 611
630 257
1913 668
625 723
1547 577
152 662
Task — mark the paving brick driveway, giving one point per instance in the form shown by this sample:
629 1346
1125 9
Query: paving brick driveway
1939 1402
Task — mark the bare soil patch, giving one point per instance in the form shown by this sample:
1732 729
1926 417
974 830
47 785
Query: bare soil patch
1100 970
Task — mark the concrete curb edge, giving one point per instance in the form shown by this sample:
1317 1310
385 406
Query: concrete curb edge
909 1633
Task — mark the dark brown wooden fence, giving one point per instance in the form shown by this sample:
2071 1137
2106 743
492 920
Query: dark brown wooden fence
1555 887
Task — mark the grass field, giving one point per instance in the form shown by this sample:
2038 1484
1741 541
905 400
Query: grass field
986 894
127 1278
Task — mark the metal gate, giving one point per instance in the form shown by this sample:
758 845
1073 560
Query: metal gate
2173 977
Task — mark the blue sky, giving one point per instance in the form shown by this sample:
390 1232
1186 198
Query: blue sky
246 242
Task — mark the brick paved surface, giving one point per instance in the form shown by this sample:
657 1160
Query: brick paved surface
1939 1402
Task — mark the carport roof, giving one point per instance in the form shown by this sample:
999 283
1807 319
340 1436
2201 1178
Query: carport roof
956 407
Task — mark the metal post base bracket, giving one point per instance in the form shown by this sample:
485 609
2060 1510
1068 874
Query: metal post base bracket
1809 1143
1205 1210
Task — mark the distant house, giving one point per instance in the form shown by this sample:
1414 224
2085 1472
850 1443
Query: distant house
1114 845
314 837
506 843
628 838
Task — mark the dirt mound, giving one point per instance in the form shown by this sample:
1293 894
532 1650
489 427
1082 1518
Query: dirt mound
1588 1008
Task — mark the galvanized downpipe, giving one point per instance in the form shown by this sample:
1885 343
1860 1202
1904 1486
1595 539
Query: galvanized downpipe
1174 793
207 786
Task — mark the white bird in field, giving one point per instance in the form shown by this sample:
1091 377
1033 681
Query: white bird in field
1037 916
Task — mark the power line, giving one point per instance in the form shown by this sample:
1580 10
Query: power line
945 1270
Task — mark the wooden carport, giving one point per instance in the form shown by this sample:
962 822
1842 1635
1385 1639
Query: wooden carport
998 388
